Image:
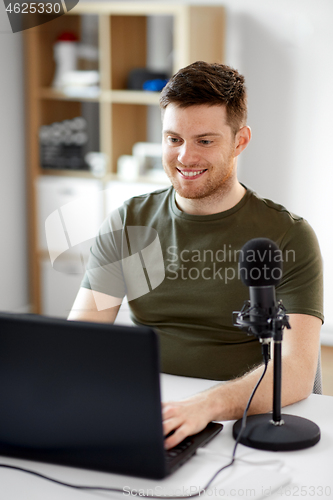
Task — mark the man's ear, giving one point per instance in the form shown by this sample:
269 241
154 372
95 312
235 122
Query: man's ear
242 139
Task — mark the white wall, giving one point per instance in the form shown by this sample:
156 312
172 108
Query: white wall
13 245
284 49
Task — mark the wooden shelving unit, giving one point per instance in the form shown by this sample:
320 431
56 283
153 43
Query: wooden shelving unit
198 34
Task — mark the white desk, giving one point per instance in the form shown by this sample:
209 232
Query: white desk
310 470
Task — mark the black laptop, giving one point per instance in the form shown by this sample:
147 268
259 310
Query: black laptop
86 395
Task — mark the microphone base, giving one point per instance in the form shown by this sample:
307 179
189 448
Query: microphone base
261 433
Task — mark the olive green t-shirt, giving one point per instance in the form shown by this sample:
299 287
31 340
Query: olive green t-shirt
180 273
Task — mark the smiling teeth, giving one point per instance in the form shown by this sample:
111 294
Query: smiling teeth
191 174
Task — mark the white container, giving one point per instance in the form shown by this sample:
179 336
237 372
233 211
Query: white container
65 55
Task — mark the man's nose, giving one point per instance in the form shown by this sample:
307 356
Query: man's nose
187 155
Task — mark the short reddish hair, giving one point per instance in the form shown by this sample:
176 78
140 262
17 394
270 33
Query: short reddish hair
212 84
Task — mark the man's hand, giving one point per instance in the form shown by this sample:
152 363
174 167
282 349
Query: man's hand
185 418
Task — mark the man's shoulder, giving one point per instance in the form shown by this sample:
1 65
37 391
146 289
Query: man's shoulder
281 224
141 208
273 209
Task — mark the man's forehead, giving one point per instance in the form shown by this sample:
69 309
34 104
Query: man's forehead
203 117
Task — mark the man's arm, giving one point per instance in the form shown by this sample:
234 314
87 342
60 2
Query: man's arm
227 401
94 306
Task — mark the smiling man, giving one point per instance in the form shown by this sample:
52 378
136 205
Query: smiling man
202 222
199 156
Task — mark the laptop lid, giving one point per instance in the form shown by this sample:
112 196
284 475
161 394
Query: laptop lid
81 394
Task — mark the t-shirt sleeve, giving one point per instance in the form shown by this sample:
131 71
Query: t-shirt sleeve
125 259
104 271
301 288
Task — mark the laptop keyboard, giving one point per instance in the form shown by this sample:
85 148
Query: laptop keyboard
178 450
179 454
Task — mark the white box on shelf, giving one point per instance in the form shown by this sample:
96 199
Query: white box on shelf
76 205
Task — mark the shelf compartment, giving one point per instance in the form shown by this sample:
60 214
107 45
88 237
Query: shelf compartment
128 39
63 152
47 35
57 111
129 125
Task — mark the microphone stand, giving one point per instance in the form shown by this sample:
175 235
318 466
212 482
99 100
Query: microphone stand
277 372
273 431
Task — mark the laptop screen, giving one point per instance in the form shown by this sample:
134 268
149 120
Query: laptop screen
82 394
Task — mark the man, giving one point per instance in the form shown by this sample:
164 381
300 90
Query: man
202 222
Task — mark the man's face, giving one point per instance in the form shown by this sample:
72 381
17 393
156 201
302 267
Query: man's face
198 150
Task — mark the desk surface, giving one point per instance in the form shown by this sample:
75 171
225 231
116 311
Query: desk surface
310 470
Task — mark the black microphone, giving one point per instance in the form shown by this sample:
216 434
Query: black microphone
260 268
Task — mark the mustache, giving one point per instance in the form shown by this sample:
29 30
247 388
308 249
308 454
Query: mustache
182 166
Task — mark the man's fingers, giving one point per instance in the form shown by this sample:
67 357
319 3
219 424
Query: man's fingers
184 418
171 424
168 410
177 437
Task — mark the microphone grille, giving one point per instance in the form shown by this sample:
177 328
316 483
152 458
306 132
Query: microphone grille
260 262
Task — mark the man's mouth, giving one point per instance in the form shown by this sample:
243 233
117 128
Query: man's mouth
191 173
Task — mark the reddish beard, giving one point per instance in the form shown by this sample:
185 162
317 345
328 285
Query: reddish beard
211 187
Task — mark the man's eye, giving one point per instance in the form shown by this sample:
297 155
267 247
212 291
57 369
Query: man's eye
205 142
173 140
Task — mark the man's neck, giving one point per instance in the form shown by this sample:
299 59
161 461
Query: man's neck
214 204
